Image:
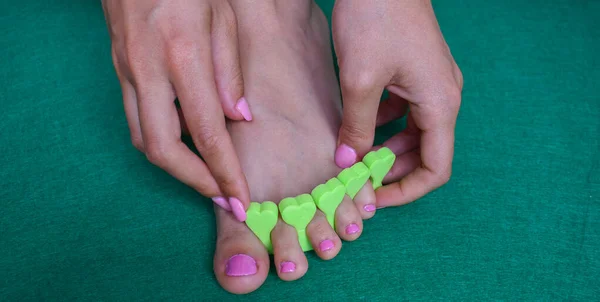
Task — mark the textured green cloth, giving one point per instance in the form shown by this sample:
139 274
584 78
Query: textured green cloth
84 216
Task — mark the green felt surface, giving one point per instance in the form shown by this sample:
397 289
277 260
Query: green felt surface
83 216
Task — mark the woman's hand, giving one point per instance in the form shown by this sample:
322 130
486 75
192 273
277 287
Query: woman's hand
188 50
397 45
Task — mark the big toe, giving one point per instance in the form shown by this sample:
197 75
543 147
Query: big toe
241 262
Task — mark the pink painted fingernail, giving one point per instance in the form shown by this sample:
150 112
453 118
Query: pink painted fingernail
243 108
240 265
352 229
238 209
345 156
222 202
370 208
287 267
326 245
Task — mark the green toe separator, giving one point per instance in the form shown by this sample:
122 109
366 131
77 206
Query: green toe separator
261 219
354 178
379 163
328 197
298 212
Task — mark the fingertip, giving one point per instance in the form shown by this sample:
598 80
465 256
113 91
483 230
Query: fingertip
243 109
345 156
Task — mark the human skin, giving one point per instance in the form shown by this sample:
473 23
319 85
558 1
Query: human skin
397 45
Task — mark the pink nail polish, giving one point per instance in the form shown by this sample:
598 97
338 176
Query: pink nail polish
243 108
352 229
345 156
326 245
370 208
240 265
238 209
222 202
287 267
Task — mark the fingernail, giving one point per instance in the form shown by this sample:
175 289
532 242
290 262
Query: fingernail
326 245
238 209
243 108
352 229
222 202
345 156
287 267
370 208
240 265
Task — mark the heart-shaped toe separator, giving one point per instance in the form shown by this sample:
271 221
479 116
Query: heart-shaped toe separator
328 197
261 219
379 163
298 212
354 178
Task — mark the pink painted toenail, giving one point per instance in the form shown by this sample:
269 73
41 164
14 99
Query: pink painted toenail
238 209
242 107
345 156
370 208
326 245
222 202
240 265
352 229
287 267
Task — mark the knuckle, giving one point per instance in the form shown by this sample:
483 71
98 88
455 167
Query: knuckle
157 153
207 142
138 143
442 177
358 82
355 133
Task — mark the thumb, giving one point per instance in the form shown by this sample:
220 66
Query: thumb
228 73
360 103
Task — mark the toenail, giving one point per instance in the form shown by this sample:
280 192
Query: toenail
238 209
345 156
287 267
370 208
352 229
242 107
240 265
326 245
222 202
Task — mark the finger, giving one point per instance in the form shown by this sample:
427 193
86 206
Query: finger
162 139
403 142
360 101
228 73
391 109
437 150
404 164
193 78
132 114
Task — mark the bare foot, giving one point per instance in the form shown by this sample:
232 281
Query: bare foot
288 148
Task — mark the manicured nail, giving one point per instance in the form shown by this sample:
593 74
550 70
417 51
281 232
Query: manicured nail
243 108
240 265
326 245
345 156
370 208
238 209
287 267
222 202
352 229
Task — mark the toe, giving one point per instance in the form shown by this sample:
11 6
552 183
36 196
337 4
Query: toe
322 237
348 222
288 256
241 262
365 201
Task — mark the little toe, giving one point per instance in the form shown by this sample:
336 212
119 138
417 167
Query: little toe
323 238
348 221
241 262
288 256
365 201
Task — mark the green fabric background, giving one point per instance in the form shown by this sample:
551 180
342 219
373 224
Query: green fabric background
84 216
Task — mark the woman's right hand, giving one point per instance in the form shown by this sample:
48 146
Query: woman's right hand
185 49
